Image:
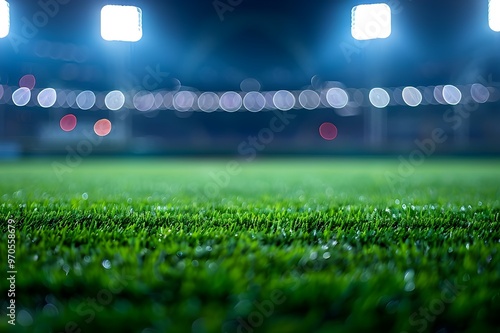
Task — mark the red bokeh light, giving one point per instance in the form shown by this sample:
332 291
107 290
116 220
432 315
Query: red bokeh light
102 127
68 123
328 131
27 81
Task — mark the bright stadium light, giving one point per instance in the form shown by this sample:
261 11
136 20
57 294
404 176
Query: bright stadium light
121 23
371 21
4 19
494 15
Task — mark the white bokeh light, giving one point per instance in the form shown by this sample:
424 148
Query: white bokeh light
71 99
309 99
114 100
249 85
47 98
438 94
379 98
86 100
7 94
21 96
184 100
158 101
479 93
412 96
208 102
451 95
344 100
284 100
61 98
337 98
144 101
372 21
254 101
4 19
231 101
168 100
121 23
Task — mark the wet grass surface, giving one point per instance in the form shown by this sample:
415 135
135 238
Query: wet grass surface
273 246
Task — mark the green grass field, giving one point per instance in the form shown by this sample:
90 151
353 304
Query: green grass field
282 246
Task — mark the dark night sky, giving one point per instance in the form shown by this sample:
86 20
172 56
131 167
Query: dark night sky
281 43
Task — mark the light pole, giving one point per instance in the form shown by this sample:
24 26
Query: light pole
371 22
122 26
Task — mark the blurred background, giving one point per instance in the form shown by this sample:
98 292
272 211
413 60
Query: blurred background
247 77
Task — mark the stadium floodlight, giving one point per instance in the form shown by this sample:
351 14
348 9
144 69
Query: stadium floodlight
4 19
494 15
371 21
121 23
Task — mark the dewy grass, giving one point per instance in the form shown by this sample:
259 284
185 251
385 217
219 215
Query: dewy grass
283 246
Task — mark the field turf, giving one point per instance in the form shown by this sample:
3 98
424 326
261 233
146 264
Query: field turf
279 246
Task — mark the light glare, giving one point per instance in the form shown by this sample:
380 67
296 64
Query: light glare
4 19
371 21
121 23
494 15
